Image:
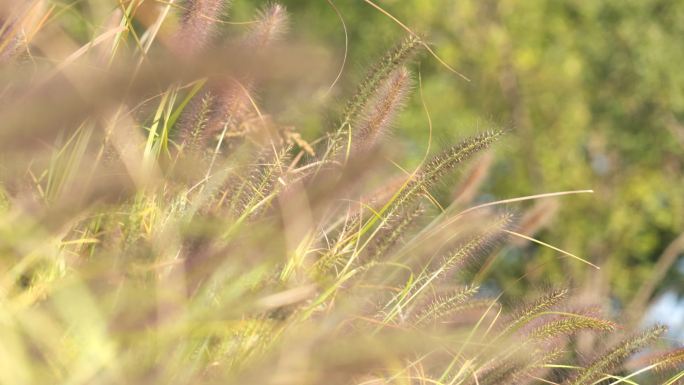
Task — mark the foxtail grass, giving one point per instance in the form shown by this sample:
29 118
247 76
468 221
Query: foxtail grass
182 231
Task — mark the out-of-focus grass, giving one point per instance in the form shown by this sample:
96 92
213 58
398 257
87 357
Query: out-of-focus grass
159 225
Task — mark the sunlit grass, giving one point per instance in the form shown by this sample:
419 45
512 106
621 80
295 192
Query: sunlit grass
159 225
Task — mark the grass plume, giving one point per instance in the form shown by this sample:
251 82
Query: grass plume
366 89
198 25
271 26
614 357
378 114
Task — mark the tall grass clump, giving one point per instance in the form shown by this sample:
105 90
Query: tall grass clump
159 226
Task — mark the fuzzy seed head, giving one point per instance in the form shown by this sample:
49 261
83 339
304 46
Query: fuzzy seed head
613 358
370 84
571 324
456 155
393 230
443 305
399 55
381 110
233 108
670 360
445 162
193 124
476 246
271 25
528 312
198 25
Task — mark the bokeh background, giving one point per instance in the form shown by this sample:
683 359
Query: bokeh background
593 93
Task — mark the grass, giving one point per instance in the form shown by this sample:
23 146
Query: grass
158 225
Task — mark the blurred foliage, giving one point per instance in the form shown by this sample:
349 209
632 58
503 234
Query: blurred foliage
593 92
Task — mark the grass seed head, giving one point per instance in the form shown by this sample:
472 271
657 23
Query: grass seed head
376 119
271 25
613 358
198 25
